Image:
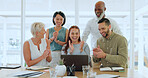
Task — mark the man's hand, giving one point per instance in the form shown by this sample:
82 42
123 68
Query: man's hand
98 53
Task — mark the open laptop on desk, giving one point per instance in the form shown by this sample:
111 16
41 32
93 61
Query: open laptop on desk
77 60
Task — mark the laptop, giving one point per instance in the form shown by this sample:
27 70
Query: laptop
77 60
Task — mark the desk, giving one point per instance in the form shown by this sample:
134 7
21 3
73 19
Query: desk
129 74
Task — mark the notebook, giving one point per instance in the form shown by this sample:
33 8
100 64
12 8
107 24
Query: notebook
77 60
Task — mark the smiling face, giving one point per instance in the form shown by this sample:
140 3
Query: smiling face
58 20
104 29
74 34
100 9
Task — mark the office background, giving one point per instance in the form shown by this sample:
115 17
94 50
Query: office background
77 12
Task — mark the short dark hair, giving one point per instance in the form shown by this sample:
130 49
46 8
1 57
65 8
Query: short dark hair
107 22
60 13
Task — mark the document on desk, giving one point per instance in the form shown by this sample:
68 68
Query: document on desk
10 67
27 74
116 69
105 69
107 76
70 77
37 68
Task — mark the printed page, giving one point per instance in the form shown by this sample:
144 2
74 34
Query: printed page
105 69
107 76
26 74
37 68
117 68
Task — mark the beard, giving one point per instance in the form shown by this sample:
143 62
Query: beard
106 34
101 15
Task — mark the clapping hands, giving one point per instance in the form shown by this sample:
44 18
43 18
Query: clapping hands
71 47
98 53
46 53
81 46
55 35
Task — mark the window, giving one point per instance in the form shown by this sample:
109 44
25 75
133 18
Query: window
77 12
142 29
10 28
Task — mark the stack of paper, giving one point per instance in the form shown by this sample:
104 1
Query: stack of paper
107 76
105 69
37 68
112 69
70 77
27 74
10 67
117 68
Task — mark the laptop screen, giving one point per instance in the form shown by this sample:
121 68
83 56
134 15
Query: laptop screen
77 60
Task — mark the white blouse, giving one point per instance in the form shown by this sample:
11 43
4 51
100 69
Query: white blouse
35 53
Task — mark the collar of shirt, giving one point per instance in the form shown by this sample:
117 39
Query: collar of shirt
110 37
97 19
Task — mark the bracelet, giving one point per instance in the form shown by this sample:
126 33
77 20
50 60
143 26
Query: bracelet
51 40
57 41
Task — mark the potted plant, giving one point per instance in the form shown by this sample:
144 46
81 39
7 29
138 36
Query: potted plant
61 68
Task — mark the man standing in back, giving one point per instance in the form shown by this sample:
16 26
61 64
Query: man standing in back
92 25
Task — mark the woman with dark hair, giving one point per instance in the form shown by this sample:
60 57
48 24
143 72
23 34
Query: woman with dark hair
57 35
72 47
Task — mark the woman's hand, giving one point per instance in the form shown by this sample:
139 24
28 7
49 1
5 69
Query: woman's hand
56 40
49 54
46 53
49 57
55 34
81 46
71 47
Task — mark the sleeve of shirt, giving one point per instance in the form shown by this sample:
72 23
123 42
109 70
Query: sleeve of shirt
86 31
122 56
115 27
